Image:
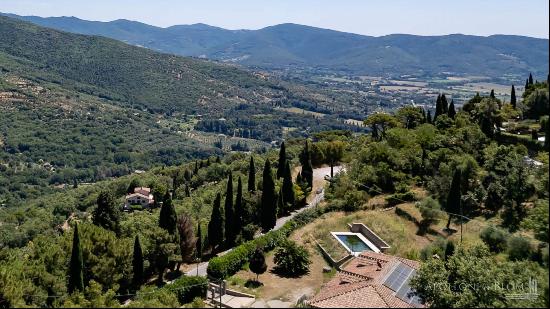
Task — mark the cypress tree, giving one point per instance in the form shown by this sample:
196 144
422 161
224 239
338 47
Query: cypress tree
492 95
239 210
425 120
269 207
229 217
107 214
444 104
307 168
76 266
429 117
251 176
187 191
282 161
196 169
452 111
526 84
513 99
168 217
281 207
199 242
288 188
215 226
530 79
137 264
453 198
438 108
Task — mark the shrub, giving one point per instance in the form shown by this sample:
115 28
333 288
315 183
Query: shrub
494 238
431 213
398 198
292 260
519 248
439 246
188 288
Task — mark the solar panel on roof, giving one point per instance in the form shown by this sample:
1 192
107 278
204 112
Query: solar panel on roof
398 276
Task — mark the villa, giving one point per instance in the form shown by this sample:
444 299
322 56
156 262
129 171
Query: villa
141 197
370 280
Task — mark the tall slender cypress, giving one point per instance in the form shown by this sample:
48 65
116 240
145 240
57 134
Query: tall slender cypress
199 241
251 176
282 209
288 188
452 110
269 207
215 226
282 161
429 117
438 108
137 264
453 198
307 168
229 216
239 210
76 266
530 79
168 218
513 99
444 104
492 94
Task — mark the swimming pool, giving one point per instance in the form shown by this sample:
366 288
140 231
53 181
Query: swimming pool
354 243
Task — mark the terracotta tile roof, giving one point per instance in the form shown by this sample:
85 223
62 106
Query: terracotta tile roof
360 284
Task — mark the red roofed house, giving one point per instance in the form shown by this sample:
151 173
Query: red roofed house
370 280
142 196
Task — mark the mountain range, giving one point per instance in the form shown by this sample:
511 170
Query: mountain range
297 46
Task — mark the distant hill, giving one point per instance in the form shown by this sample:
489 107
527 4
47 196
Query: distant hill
289 45
132 76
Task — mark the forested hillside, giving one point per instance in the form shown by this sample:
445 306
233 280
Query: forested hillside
299 46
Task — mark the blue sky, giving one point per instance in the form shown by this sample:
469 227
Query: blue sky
370 17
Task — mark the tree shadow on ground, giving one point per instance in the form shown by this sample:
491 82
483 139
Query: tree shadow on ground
253 284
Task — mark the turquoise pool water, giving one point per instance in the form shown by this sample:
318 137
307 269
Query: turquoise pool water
354 243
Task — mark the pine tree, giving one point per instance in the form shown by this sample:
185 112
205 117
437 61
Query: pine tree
282 161
257 263
307 168
137 265
239 210
452 111
107 214
251 176
288 188
215 226
513 99
269 207
168 217
187 240
229 214
454 196
530 79
444 104
76 266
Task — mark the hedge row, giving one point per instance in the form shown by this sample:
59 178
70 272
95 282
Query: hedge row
187 288
229 264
